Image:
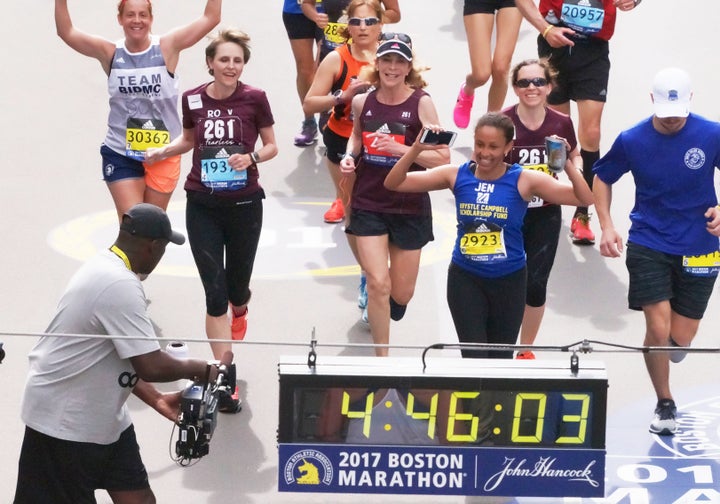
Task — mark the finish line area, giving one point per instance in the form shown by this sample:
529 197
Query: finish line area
637 467
58 213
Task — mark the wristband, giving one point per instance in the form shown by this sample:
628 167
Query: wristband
547 30
352 156
255 157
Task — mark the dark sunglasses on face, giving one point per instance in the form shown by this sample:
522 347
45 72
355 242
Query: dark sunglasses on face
396 36
369 21
537 82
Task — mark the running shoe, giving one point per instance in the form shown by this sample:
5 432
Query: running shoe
580 230
238 326
463 107
525 355
362 293
229 403
308 134
336 213
664 422
677 355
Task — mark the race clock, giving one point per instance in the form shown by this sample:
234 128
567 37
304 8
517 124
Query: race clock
459 426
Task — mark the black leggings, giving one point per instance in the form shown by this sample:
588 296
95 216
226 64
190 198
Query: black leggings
486 310
541 232
224 241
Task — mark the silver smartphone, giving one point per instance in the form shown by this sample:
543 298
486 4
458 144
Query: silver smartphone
444 137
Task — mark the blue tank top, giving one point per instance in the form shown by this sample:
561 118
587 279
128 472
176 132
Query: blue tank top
490 216
292 6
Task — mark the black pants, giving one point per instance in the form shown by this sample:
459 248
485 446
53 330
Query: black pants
486 310
224 241
541 231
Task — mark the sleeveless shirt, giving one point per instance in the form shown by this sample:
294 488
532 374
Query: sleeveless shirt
490 217
403 122
341 120
143 91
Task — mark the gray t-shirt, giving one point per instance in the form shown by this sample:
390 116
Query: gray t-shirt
77 387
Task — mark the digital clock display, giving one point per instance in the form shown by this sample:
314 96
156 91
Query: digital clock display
469 415
458 427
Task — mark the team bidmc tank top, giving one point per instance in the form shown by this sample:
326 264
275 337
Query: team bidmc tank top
143 101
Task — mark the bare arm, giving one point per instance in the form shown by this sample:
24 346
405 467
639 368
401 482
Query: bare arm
427 158
269 147
713 216
318 97
392 11
536 183
611 243
180 145
159 366
429 117
88 45
400 179
167 404
309 8
354 144
186 36
555 36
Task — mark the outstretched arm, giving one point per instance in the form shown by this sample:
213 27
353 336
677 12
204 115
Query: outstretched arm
88 45
188 35
398 179
167 404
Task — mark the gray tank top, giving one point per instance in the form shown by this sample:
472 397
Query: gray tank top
143 101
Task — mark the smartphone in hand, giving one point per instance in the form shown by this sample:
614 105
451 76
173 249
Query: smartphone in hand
444 137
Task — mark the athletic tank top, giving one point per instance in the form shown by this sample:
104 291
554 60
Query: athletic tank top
490 216
143 101
403 122
341 120
528 148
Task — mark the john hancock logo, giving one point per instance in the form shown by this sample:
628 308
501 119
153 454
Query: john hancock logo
543 468
308 467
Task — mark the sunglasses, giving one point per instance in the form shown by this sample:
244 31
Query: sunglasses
369 21
402 37
537 82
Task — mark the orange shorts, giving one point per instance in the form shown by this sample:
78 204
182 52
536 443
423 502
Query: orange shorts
163 176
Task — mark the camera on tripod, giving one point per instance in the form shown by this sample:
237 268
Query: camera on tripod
198 414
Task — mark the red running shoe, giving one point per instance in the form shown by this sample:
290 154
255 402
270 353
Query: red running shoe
336 213
580 230
238 326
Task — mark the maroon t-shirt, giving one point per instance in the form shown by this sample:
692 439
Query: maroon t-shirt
529 145
224 127
403 122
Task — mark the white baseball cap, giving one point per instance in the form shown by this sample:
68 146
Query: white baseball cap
671 93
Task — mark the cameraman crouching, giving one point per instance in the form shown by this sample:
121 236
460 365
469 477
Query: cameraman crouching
79 436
